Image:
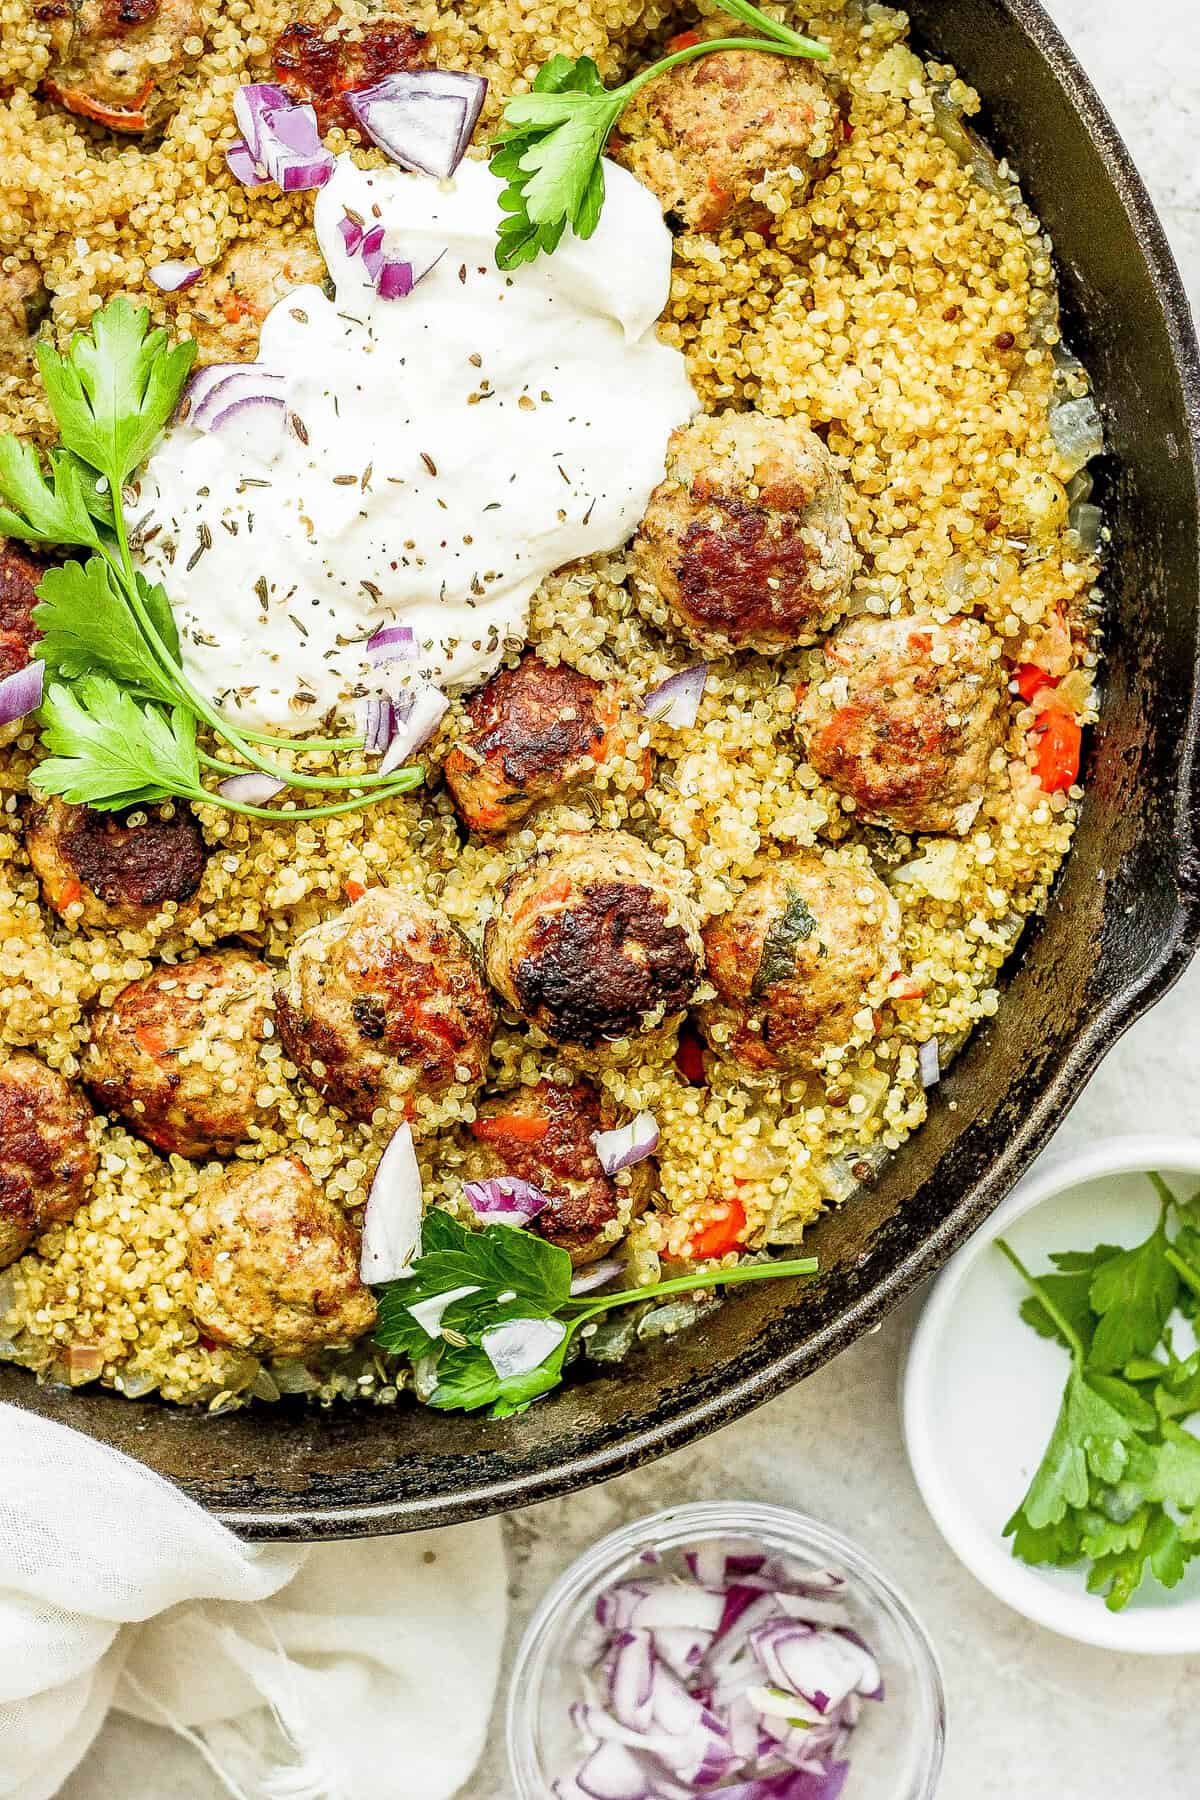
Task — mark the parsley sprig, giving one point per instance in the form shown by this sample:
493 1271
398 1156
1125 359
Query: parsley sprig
120 716
1119 1483
512 1275
549 154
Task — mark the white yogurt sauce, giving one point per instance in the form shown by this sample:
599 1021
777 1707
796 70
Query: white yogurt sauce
462 443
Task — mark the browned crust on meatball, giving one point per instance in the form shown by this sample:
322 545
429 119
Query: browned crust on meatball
912 740
315 66
533 731
274 1263
227 306
562 1162
123 866
146 1060
47 1157
402 986
19 577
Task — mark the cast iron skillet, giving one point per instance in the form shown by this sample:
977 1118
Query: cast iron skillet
1125 918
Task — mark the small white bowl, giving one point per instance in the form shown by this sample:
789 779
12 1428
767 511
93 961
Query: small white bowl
981 1390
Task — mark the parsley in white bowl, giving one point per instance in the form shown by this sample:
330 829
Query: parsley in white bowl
1052 1425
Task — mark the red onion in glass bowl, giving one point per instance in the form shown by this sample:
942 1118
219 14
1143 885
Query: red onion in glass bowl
725 1649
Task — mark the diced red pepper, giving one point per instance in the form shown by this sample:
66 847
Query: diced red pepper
117 118
525 1128
683 40
689 1057
1031 679
720 1236
1057 756
355 890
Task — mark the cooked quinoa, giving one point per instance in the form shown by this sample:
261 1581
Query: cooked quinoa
896 301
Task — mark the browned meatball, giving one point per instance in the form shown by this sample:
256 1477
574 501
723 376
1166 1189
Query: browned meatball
24 303
593 942
746 537
176 1054
274 1263
544 1135
118 62
317 65
121 868
533 732
226 307
800 963
47 1157
19 576
704 135
385 1003
903 716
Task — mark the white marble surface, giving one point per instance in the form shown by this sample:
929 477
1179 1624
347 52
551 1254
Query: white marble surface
1032 1717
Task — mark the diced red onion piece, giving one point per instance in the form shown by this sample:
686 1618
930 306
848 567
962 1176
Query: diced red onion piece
352 234
375 714
392 643
395 281
521 1344
392 1220
243 168
929 1063
597 1275
21 692
631 1685
372 252
627 1144
681 1649
279 137
239 381
612 1772
203 382
429 1313
822 1667
251 105
254 787
422 119
173 276
505 1200
418 713
677 1605
253 425
676 701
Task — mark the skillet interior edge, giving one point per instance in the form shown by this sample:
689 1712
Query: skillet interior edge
1122 926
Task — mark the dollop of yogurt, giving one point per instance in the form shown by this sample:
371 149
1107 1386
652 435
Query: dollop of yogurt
438 455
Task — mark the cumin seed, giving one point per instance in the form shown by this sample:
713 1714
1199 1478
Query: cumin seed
429 462
298 426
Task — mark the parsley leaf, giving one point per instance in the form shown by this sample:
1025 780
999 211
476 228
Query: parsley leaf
41 509
109 752
88 629
467 1381
115 388
1133 1293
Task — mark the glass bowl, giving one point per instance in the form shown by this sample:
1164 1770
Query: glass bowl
896 1750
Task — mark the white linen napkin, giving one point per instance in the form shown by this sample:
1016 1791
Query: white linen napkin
347 1671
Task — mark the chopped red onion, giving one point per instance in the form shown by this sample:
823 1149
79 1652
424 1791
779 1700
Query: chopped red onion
422 119
278 137
520 1345
21 692
252 425
417 715
238 381
352 234
253 788
173 276
676 701
597 1275
429 1313
628 1144
203 382
251 105
677 1704
243 168
395 281
391 643
392 1221
375 716
372 252
505 1200
929 1063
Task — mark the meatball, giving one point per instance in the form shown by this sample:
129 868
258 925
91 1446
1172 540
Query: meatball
274 1263
904 716
533 732
118 62
19 576
314 65
47 1157
592 941
176 1054
123 867
704 135
544 1135
24 303
799 963
227 306
384 1003
746 537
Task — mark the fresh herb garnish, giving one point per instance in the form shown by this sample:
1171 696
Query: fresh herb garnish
1119 1483
121 718
513 1275
549 153
778 960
